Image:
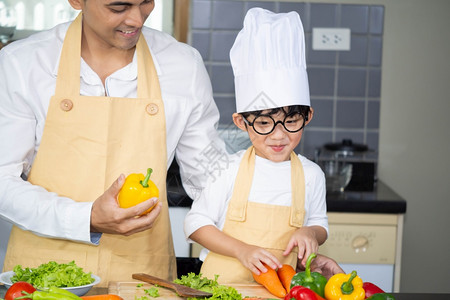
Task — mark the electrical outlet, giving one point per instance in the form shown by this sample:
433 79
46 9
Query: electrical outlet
331 39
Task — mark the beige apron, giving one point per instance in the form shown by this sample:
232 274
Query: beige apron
263 225
87 142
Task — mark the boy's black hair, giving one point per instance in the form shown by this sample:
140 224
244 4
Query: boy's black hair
301 109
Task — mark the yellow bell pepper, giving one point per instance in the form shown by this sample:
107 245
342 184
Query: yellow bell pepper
137 189
345 287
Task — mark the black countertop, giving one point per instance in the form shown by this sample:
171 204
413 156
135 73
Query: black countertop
381 200
420 296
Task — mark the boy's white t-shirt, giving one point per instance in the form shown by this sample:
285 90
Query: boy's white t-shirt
271 185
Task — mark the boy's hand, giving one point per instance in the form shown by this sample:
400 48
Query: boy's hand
305 239
253 257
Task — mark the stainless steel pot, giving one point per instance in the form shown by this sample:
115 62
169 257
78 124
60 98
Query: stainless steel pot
335 160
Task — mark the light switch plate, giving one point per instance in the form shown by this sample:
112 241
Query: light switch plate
332 39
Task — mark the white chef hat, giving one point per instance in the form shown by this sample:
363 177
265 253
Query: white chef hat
268 60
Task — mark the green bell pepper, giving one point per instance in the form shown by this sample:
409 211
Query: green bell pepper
381 296
53 293
312 280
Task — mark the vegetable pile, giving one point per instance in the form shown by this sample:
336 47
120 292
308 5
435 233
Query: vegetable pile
23 290
53 274
219 292
276 282
19 289
309 285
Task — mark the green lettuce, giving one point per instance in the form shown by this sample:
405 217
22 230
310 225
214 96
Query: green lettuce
53 274
219 292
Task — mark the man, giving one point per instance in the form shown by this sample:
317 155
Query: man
83 105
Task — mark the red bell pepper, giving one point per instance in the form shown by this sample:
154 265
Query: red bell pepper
371 289
299 292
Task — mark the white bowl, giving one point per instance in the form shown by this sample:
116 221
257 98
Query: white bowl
81 290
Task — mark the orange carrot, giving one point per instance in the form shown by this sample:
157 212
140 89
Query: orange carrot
102 297
285 273
271 282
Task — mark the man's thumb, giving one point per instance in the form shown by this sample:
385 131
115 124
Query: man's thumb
117 185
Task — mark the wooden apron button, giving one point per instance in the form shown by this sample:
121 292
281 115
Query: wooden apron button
66 104
152 109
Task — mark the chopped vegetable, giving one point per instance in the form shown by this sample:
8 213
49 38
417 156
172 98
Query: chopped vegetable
53 274
152 292
219 292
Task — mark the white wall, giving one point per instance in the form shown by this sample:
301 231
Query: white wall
414 144
415 135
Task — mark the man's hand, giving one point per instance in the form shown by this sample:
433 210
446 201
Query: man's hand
108 217
323 265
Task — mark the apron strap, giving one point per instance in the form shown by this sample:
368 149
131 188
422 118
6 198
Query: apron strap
68 79
146 65
298 192
238 203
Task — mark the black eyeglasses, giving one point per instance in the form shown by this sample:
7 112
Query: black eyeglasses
265 124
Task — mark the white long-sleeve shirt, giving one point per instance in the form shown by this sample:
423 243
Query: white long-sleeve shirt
271 185
28 70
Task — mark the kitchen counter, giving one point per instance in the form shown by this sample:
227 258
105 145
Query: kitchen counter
420 296
365 234
381 200
398 296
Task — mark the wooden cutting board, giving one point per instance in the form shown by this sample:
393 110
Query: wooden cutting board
131 291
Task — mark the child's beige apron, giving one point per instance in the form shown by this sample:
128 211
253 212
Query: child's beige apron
263 225
86 144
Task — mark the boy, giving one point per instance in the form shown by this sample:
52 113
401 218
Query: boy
269 206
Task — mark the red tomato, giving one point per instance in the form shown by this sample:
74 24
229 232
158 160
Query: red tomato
16 290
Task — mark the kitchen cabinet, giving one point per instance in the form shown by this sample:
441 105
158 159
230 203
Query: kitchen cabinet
369 243
366 230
